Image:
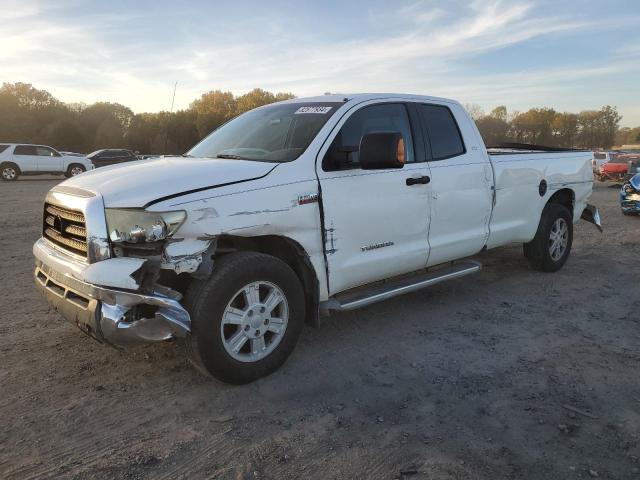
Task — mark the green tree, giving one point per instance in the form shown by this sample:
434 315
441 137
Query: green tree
494 131
565 129
213 109
597 128
104 125
257 98
534 126
499 113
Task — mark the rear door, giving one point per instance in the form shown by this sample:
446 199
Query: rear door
375 222
461 183
26 157
49 160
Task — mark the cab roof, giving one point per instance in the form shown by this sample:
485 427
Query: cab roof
361 97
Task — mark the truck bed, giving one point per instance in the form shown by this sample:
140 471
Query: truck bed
522 177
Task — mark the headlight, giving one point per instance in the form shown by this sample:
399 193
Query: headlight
135 226
627 188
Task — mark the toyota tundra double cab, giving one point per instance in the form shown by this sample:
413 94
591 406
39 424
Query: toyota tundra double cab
294 210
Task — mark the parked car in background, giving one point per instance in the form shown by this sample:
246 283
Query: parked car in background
621 167
630 196
27 159
600 158
111 156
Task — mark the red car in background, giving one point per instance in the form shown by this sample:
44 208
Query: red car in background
621 167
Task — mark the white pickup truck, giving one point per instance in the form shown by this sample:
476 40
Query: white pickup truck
292 210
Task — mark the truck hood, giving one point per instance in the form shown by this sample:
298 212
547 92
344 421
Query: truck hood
136 184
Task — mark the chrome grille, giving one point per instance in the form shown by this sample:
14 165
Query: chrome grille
65 228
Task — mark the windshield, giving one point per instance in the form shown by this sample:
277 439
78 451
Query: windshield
275 133
600 156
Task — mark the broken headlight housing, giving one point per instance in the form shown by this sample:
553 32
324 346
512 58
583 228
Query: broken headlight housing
127 225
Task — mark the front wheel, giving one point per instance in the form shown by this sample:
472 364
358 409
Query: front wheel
245 319
74 170
10 172
549 249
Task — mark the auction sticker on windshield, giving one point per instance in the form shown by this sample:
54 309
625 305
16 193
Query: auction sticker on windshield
312 110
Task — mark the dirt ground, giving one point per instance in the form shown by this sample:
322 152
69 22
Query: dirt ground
509 373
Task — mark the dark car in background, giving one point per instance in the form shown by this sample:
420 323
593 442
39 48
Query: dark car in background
111 156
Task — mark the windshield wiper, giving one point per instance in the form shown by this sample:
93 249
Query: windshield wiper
229 156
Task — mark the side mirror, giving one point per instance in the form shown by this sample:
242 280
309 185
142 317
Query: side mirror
382 150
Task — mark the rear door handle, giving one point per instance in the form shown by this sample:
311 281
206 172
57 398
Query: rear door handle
418 180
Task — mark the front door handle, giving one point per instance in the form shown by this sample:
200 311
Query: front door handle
418 180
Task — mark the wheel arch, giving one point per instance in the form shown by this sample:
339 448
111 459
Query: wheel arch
12 163
565 197
287 250
73 164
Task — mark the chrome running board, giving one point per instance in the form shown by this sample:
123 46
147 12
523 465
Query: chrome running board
382 291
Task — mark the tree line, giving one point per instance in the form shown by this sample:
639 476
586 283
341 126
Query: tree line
30 115
545 126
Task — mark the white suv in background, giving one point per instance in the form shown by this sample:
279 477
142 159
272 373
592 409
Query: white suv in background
24 159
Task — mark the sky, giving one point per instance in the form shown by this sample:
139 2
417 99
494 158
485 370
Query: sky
570 55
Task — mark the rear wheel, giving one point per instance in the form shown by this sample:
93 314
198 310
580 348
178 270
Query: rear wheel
9 172
245 319
550 248
75 169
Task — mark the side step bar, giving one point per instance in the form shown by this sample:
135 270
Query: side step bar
384 291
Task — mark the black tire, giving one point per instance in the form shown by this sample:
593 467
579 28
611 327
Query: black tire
538 251
9 171
74 166
207 300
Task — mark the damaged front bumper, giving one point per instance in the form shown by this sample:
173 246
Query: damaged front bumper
117 317
630 202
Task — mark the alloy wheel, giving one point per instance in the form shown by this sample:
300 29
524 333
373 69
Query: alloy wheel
8 173
558 239
254 321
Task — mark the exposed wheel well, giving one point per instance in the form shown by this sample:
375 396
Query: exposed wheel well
565 197
287 250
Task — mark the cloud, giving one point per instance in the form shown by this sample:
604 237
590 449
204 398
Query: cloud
81 53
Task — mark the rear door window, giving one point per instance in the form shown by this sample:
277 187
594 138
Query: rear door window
3 148
442 131
25 150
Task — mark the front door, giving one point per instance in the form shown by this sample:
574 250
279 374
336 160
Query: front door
375 222
49 160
